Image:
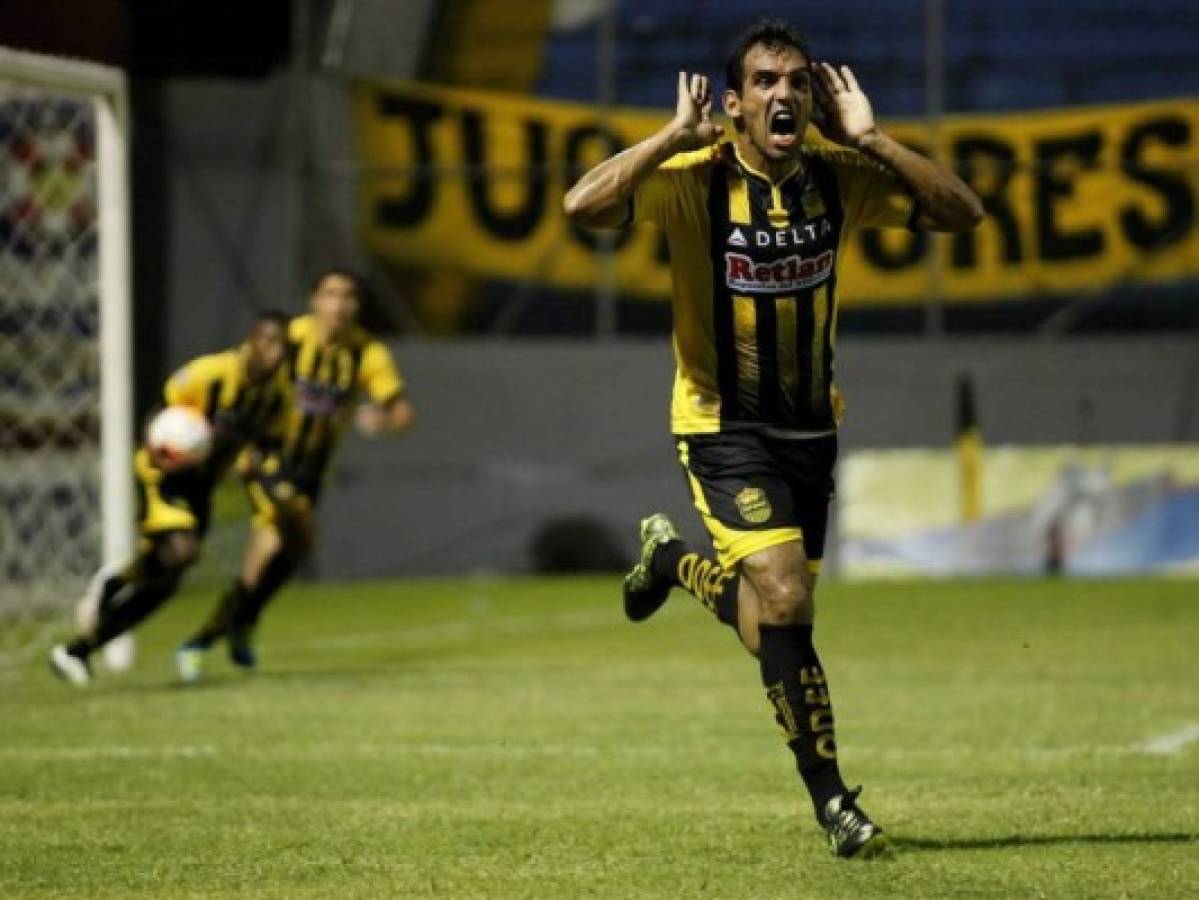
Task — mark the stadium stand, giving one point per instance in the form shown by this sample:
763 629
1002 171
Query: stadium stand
1017 55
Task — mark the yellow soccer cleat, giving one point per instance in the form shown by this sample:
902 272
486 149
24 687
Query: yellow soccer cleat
644 592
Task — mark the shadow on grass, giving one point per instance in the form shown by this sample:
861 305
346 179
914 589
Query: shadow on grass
913 844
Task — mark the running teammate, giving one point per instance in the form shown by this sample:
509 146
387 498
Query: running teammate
333 364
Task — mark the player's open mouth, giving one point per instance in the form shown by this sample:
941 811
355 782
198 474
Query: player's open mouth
783 126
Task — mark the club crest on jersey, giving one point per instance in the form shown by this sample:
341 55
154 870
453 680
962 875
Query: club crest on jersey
753 505
737 239
813 203
794 273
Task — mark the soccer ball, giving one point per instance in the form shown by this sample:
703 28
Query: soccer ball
180 436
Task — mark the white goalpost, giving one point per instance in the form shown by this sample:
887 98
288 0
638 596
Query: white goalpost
66 490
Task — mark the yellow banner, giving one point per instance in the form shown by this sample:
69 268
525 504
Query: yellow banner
1076 199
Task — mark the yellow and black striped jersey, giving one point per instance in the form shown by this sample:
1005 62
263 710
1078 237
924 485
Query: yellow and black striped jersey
329 379
754 271
240 412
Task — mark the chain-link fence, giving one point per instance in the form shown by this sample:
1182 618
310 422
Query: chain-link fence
50 532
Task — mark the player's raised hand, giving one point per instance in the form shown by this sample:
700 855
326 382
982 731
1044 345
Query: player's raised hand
693 113
847 115
371 419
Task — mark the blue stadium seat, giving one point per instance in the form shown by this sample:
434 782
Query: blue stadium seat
1002 88
1011 55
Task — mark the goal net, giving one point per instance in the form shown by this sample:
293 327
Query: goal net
65 488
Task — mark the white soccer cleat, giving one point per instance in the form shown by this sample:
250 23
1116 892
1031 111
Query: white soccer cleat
70 668
189 663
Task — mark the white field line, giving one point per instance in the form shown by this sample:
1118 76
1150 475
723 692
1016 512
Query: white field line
1172 743
993 753
1164 745
648 750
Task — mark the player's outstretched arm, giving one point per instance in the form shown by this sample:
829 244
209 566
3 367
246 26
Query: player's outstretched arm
946 202
600 198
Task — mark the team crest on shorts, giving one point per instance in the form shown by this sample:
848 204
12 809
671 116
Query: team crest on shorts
753 505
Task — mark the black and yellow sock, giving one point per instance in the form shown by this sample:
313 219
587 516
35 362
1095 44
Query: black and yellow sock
277 572
113 585
124 608
221 618
797 689
702 577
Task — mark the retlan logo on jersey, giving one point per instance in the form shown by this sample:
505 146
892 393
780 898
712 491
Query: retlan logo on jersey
791 274
737 238
317 398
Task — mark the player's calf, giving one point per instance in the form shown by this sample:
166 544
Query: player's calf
125 600
792 674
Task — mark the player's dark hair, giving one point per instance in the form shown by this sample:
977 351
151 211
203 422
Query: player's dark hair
341 272
272 317
773 34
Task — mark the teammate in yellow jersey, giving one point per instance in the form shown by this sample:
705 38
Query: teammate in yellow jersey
244 394
755 228
333 365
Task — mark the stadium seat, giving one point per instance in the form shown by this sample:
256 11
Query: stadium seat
1103 50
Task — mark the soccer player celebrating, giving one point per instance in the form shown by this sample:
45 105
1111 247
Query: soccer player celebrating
243 393
332 363
755 228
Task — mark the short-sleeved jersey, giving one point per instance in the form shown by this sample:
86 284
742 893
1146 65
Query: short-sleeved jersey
754 271
240 412
329 379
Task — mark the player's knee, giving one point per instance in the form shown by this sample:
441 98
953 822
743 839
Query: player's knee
297 536
177 553
297 547
784 598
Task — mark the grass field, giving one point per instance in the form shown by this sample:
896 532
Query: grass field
517 738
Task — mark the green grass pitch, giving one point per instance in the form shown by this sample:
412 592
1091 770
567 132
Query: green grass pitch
517 738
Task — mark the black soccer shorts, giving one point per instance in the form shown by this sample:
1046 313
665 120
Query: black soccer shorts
754 491
277 493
